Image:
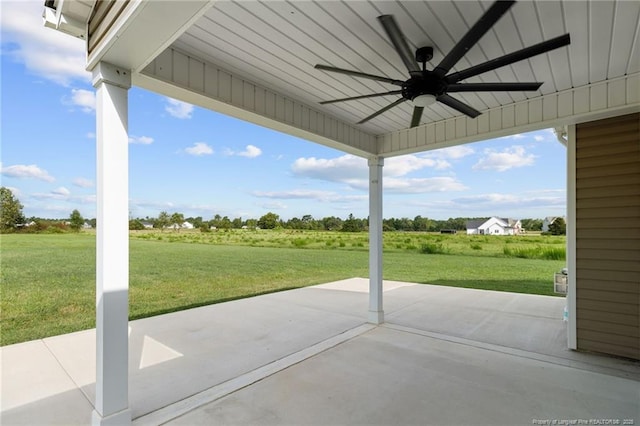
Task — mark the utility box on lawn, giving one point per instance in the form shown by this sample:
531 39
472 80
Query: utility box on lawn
561 282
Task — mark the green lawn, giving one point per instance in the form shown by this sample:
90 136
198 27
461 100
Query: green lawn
48 281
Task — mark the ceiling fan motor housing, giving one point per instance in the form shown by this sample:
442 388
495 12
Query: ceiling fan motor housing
426 84
424 54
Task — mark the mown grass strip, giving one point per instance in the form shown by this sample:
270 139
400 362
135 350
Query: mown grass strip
48 281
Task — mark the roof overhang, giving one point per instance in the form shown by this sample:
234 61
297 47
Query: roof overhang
255 61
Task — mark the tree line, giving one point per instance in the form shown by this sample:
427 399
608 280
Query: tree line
308 222
12 219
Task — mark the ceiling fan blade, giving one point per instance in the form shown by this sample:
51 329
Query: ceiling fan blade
377 113
493 87
417 116
399 42
353 98
458 105
359 74
484 24
510 58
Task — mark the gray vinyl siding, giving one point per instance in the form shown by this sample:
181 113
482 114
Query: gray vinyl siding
608 236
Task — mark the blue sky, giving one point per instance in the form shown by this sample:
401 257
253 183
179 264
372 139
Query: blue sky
193 161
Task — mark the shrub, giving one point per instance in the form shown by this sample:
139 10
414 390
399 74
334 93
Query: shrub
432 248
300 242
134 225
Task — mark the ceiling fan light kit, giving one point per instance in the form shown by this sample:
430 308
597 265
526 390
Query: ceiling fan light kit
424 100
426 87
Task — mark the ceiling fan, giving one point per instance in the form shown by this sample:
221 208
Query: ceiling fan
425 87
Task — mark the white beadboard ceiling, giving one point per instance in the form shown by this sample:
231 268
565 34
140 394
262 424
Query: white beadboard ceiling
277 43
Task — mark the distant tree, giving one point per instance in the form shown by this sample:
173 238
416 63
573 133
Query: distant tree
352 224
251 223
11 214
294 223
225 223
331 223
215 222
195 221
532 224
268 221
162 221
558 227
308 222
236 223
76 220
93 222
136 225
177 219
458 223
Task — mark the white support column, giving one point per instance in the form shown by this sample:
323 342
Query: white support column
376 313
572 324
112 246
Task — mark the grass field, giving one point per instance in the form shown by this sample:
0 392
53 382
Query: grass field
48 281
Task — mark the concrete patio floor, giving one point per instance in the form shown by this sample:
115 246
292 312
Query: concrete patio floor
445 356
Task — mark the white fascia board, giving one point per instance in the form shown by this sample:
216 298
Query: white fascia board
58 20
144 30
591 102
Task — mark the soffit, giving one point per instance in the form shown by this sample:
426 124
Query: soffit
276 45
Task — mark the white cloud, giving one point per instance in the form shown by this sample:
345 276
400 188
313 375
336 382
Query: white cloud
453 152
276 205
250 151
91 135
338 169
178 109
82 182
503 204
85 99
45 52
400 166
62 191
325 196
509 158
199 148
140 140
353 171
499 201
422 185
21 171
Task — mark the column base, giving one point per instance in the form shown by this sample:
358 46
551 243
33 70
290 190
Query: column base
121 418
376 317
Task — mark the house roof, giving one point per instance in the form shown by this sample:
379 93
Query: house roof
255 60
504 222
476 223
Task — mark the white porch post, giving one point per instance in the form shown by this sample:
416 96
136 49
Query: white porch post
572 338
376 312
112 246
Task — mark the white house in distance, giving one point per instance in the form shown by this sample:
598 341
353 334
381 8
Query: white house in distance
494 226
548 221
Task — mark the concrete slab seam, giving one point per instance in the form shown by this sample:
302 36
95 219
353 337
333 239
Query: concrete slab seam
80 388
579 365
221 390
